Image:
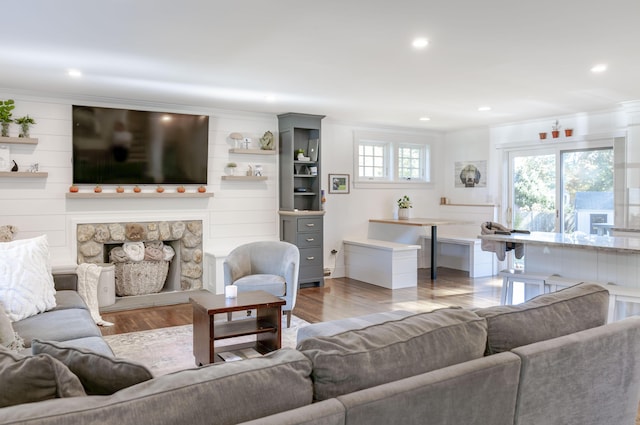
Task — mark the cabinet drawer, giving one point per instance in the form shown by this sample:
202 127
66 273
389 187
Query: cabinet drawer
310 257
305 240
310 224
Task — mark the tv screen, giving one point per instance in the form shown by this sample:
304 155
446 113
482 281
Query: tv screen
122 146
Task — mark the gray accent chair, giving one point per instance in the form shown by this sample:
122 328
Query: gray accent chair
270 266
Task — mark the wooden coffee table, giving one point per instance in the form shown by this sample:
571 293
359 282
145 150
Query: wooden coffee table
266 326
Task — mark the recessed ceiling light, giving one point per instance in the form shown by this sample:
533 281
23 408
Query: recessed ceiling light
420 43
425 119
484 108
601 67
75 73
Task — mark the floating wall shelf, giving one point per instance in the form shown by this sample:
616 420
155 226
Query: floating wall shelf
111 195
245 178
23 174
253 151
18 141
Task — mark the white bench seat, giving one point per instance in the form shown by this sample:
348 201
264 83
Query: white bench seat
460 253
388 264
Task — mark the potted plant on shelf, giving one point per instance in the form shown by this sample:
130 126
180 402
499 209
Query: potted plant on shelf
24 123
555 130
404 204
230 168
6 106
568 132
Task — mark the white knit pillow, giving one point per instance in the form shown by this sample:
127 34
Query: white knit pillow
26 283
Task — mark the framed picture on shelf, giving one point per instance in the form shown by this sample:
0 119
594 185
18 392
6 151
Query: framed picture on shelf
338 183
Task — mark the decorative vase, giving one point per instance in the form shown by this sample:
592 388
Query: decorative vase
5 129
404 213
25 131
568 132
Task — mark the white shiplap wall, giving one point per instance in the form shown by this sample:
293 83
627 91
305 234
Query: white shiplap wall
238 212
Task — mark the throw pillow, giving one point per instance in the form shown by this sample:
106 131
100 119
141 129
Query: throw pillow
8 337
99 374
28 379
547 316
26 283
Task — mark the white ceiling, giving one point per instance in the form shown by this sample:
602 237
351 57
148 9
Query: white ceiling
351 60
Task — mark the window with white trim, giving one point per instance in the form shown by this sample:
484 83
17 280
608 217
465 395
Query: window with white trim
372 160
386 158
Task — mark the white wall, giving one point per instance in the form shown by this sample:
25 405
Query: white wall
238 212
243 211
347 215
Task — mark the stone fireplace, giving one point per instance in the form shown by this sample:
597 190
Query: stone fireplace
94 240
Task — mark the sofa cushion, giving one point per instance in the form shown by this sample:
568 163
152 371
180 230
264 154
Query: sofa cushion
270 283
26 283
547 316
589 377
382 353
8 337
69 299
333 327
99 374
223 393
26 379
57 325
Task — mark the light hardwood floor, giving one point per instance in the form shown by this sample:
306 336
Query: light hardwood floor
341 298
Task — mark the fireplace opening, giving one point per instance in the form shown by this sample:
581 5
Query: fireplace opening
97 241
171 281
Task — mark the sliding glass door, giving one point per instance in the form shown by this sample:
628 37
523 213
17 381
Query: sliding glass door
563 191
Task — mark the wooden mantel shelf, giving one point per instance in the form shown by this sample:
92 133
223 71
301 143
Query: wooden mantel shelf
115 195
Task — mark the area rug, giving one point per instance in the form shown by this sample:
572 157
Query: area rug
168 350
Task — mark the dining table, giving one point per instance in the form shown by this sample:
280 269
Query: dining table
423 222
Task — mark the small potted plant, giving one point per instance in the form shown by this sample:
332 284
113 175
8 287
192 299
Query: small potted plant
24 123
568 132
404 204
230 168
6 115
555 130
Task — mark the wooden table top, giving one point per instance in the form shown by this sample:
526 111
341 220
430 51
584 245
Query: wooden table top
425 222
215 304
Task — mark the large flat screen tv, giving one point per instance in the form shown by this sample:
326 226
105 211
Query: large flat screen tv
123 146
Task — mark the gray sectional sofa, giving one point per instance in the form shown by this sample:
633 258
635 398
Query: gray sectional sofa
549 361
69 322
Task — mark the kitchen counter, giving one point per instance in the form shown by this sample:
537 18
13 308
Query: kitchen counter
575 240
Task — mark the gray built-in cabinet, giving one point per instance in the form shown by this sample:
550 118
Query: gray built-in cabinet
301 215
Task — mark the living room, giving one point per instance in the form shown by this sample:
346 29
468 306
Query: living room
469 83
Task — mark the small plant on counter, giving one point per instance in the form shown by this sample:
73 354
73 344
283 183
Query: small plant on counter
404 202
